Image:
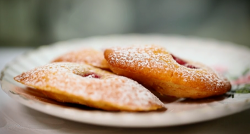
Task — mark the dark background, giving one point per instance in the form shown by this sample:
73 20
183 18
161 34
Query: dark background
39 22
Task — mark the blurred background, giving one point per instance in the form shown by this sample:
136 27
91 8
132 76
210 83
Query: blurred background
37 22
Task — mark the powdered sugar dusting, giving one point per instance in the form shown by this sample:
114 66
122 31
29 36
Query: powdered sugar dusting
110 89
158 60
87 55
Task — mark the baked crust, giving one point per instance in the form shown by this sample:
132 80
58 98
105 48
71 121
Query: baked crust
154 67
87 85
86 55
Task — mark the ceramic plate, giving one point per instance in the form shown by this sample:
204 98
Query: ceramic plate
227 58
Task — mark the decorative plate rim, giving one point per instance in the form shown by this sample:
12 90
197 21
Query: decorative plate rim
129 116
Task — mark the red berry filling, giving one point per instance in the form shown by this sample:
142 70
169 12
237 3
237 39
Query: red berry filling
178 60
191 66
183 63
91 75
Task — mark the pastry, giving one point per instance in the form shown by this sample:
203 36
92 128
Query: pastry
85 55
155 68
87 85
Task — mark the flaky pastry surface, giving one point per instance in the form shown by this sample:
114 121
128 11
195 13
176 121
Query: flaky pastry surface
85 55
154 67
87 85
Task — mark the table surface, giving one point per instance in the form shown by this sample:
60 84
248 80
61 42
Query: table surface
16 118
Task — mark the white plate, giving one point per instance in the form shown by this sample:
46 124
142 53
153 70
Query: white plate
179 111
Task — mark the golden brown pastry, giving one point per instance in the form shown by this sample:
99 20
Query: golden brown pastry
154 67
87 85
86 55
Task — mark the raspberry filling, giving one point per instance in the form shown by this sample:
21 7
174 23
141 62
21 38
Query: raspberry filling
183 63
91 75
